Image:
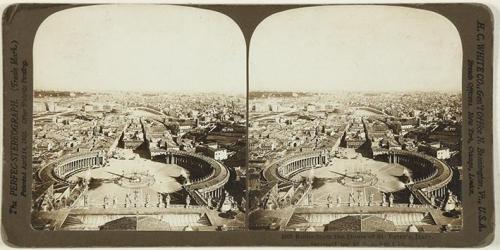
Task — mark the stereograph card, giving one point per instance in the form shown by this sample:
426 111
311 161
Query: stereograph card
247 125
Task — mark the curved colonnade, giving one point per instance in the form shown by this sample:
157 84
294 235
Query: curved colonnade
283 169
205 187
432 175
68 165
202 188
58 171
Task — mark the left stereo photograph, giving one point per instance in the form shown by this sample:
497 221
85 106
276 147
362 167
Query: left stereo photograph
139 120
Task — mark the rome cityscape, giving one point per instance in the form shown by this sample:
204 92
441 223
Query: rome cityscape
355 126
319 125
138 161
354 161
134 137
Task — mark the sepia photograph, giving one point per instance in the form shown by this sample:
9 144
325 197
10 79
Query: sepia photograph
355 117
255 125
139 120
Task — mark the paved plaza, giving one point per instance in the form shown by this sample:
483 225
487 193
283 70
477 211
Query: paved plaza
339 179
152 178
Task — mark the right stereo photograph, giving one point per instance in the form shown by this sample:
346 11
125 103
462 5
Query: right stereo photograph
355 117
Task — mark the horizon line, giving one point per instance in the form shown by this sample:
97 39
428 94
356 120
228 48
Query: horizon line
142 91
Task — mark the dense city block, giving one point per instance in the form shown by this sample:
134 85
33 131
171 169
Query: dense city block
138 161
355 161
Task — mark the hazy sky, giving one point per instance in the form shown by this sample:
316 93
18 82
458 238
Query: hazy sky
368 48
144 48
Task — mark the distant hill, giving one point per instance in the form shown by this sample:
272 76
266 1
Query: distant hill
53 93
266 94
